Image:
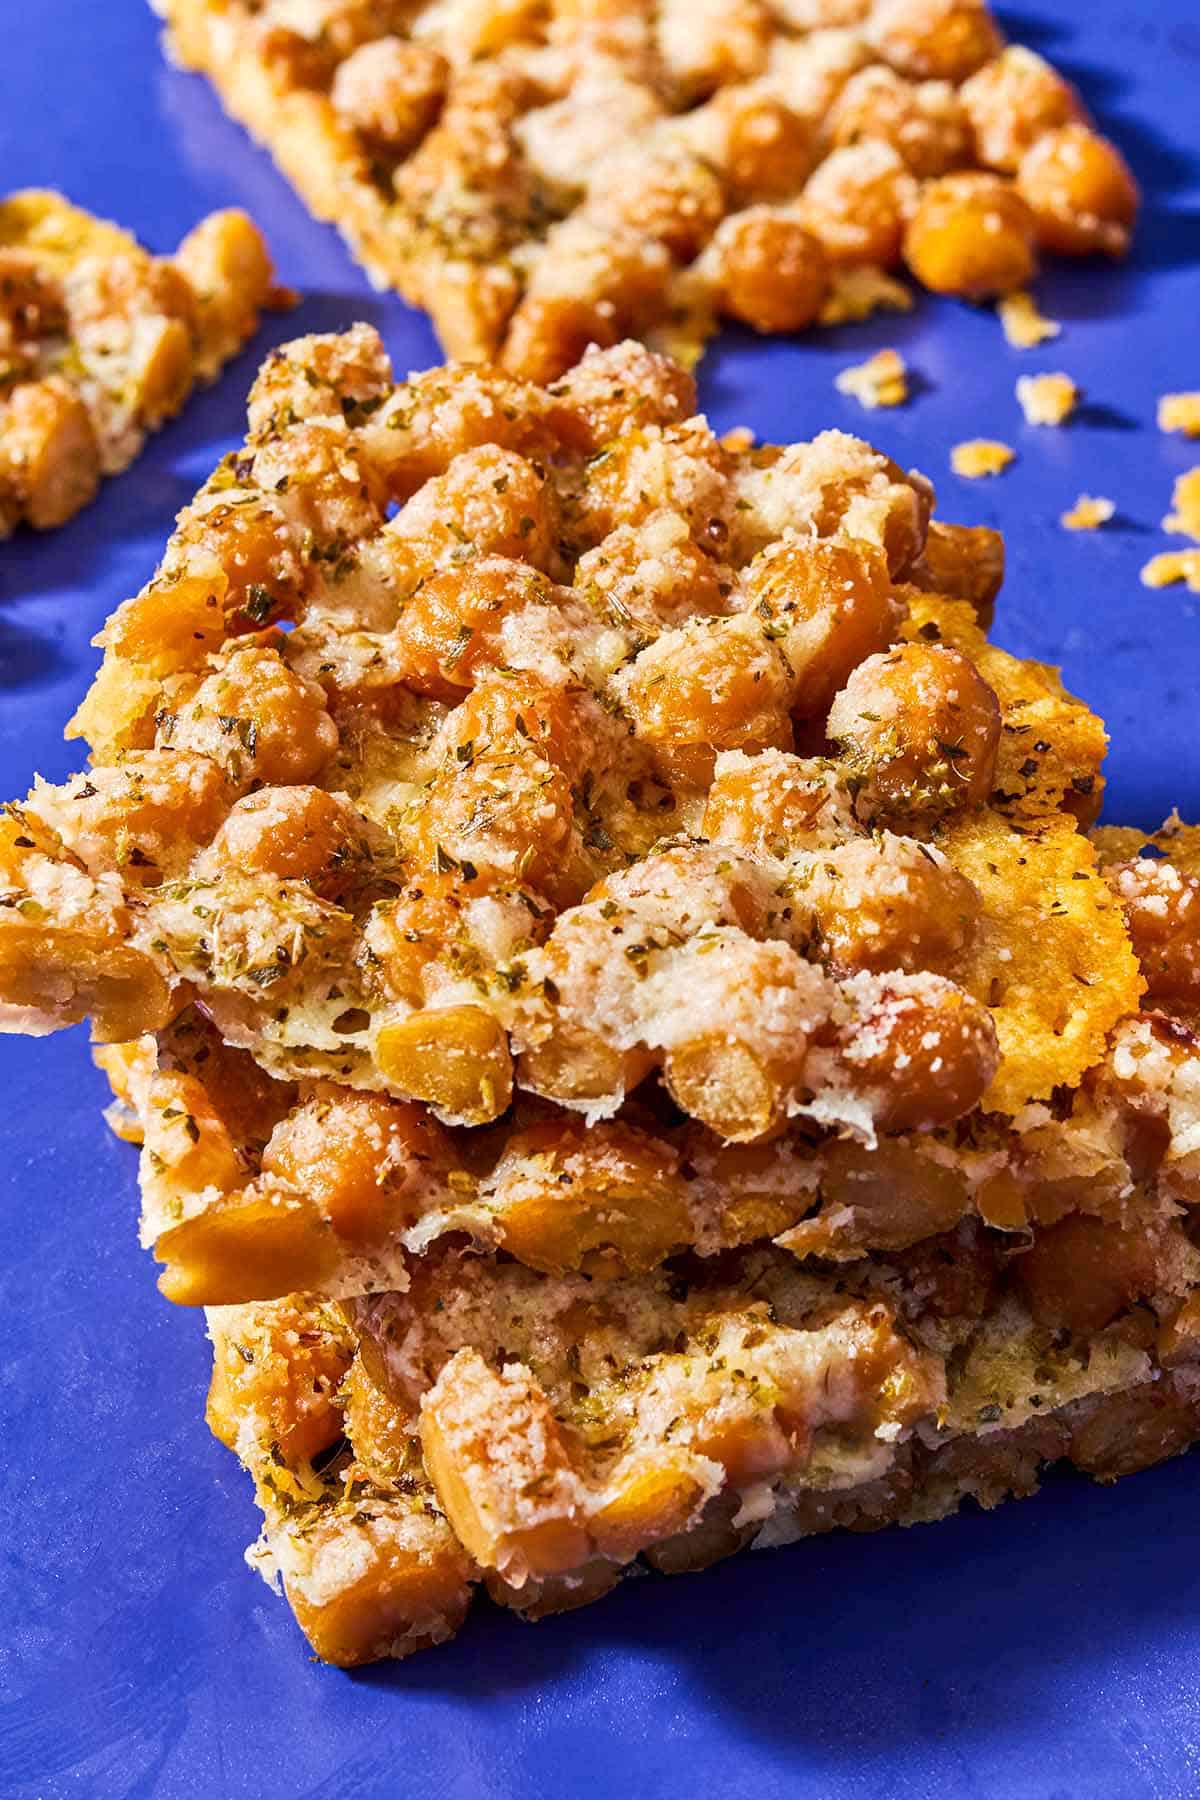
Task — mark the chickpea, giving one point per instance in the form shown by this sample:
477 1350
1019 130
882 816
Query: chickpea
828 604
454 1058
549 333
577 1065
597 283
920 1049
49 457
427 421
608 392
945 40
325 486
1081 192
764 150
450 629
857 203
682 469
884 1198
706 44
228 267
324 375
509 814
920 729
652 577
1162 909
925 124
973 235
964 561
666 194
887 903
277 1369
257 719
714 684
519 713
490 500
1083 1272
773 272
298 833
143 815
1014 100
371 1165
391 91
776 804
427 924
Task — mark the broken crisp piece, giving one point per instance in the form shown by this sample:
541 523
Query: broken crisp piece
1025 327
539 179
978 457
1173 566
100 342
1089 512
1180 412
1047 399
881 381
1184 517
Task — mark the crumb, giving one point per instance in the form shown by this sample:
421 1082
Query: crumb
1184 519
1180 412
1024 326
1173 565
980 456
1088 513
856 293
1047 399
880 381
739 439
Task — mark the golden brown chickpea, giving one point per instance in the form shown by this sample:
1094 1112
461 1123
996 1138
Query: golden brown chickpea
965 562
667 195
944 40
1081 1273
776 803
492 502
774 275
517 711
1162 909
143 815
257 719
1080 191
611 391
549 333
886 903
919 1048
49 458
274 1369
326 487
715 684
766 149
857 203
1012 101
259 554
369 1164
828 604
391 91
299 833
972 235
652 577
450 628
920 729
925 124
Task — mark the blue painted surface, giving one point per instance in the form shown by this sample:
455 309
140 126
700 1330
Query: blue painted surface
1048 1652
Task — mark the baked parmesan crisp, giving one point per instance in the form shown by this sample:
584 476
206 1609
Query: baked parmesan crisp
539 178
101 342
1184 517
977 457
881 381
1180 412
1025 326
1173 566
1089 513
1047 399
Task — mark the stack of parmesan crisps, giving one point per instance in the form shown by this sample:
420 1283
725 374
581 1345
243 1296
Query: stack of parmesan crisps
539 175
636 1044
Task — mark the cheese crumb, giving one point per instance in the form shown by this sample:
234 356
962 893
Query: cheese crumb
1088 512
1171 566
1180 412
880 381
856 293
980 456
1047 399
1184 519
1024 326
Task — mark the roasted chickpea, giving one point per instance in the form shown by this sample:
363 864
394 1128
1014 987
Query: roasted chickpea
1083 1272
652 577
371 1165
773 272
706 44
973 235
1162 908
920 1049
391 91
669 196
945 40
549 333
857 203
763 149
776 803
1013 101
925 124
828 604
608 392
886 903
1080 191
272 1370
257 719
492 501
965 562
714 684
49 459
144 814
920 729
299 833
450 629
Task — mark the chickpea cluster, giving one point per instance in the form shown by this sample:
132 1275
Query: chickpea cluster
541 179
100 342
626 819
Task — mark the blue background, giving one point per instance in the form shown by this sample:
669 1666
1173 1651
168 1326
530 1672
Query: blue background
1048 1651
